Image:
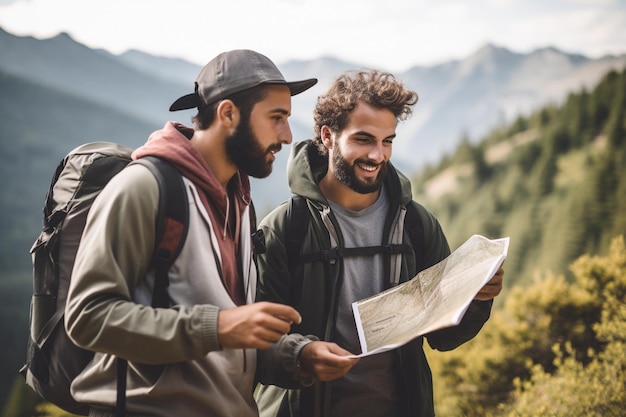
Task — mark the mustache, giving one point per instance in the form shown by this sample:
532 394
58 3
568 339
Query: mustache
369 163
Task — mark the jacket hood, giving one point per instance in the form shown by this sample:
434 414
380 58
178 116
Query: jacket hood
172 144
306 167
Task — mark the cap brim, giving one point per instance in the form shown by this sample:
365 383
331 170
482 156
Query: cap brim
297 87
189 101
193 100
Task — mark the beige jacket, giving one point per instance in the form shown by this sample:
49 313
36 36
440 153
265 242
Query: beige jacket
108 310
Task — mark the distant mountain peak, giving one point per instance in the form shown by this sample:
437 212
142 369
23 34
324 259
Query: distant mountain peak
491 51
63 35
64 38
487 59
490 47
553 54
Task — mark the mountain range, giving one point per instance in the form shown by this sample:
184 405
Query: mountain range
460 98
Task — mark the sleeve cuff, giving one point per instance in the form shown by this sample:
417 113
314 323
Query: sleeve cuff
210 337
299 374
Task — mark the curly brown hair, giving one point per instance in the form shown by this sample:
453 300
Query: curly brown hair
378 89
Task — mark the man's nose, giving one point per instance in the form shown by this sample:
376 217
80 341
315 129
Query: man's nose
377 152
285 135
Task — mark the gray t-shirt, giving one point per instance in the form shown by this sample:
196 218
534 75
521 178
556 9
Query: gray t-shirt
369 389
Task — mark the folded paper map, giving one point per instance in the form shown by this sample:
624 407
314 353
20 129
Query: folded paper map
435 298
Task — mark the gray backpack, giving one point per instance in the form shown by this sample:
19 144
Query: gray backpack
53 360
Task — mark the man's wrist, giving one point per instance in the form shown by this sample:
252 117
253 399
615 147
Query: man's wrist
300 374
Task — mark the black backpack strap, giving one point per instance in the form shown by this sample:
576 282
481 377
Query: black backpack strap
258 236
171 231
297 223
414 226
337 253
120 404
171 225
252 217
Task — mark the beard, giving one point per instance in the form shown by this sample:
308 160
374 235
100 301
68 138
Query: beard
345 173
244 150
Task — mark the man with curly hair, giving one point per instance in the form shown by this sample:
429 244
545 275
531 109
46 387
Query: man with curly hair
355 199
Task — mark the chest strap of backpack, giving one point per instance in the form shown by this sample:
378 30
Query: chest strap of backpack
337 253
298 219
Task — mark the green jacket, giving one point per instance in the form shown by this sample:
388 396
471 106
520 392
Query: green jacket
312 289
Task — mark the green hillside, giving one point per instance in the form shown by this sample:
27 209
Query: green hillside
554 181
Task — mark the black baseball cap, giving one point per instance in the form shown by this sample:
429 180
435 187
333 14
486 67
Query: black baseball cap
234 71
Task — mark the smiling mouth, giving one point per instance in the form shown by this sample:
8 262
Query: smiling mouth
368 168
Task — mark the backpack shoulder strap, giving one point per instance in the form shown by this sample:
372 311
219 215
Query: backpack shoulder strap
171 224
258 236
297 223
414 226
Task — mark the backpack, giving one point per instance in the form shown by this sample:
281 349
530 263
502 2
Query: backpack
52 359
298 219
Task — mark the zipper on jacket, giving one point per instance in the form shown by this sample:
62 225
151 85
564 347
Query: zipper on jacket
332 232
226 216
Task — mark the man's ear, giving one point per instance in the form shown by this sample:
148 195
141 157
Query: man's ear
228 114
327 136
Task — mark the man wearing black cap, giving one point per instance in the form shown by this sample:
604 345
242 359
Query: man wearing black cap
206 343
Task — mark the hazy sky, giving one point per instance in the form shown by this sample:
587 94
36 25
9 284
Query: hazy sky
387 34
